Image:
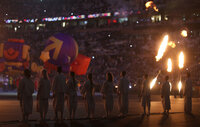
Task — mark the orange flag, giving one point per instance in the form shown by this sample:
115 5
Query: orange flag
80 65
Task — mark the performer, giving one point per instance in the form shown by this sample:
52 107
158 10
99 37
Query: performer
72 87
58 89
165 95
43 95
88 93
25 91
107 91
188 95
123 94
146 94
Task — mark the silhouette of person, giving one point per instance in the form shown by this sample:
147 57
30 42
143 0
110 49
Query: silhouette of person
165 95
188 94
72 87
43 95
58 89
107 91
88 93
25 91
123 93
146 94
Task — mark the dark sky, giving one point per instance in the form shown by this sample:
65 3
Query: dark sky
35 8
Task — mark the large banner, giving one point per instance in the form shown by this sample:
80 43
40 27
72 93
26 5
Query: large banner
61 50
14 56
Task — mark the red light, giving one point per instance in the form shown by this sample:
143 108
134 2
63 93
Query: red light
114 21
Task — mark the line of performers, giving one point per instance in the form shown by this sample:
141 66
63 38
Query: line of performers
165 95
60 88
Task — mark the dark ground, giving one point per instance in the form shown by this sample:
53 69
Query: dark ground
10 115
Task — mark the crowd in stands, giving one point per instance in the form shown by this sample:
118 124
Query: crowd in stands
110 51
46 8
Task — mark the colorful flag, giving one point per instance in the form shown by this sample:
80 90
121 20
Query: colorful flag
80 65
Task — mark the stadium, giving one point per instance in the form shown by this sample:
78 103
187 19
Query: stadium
115 37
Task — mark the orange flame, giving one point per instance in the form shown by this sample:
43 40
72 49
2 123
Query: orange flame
153 82
150 4
172 44
181 60
162 48
169 65
184 33
155 8
179 86
170 86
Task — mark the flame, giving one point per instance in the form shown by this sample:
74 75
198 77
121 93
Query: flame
181 60
184 33
170 86
155 8
162 48
179 86
172 44
153 82
169 65
150 4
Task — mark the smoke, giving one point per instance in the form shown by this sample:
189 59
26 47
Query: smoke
123 5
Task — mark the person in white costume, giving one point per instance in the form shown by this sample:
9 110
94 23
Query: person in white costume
25 92
88 93
107 91
58 89
165 95
72 87
146 94
43 95
188 95
123 94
